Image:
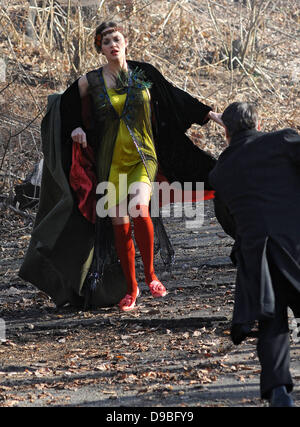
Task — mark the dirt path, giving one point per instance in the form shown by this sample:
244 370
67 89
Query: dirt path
174 352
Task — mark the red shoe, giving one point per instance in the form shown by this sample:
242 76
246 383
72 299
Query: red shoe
128 302
157 289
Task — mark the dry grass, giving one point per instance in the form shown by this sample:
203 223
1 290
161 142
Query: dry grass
219 51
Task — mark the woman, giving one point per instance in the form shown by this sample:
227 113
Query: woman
124 119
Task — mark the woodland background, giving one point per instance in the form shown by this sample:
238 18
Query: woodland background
162 354
219 51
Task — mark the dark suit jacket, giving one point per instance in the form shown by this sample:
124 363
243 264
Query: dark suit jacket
257 180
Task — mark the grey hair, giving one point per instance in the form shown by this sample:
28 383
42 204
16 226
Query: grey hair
240 116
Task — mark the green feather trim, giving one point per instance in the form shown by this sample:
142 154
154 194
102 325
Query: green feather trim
137 77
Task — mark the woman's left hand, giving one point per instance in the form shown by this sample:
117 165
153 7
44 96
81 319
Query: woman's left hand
216 117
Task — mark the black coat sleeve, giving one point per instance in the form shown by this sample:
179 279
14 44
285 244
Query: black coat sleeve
174 111
222 212
70 109
176 105
224 217
186 108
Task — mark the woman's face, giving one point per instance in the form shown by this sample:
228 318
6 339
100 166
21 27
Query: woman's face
114 46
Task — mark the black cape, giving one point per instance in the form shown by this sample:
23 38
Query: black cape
62 238
257 182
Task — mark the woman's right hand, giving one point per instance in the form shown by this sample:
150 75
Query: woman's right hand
78 135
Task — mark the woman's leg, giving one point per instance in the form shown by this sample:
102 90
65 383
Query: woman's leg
144 234
125 250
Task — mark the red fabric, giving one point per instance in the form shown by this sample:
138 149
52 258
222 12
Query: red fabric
184 196
144 236
126 253
83 180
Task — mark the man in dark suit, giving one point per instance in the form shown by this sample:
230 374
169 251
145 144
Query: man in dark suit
257 183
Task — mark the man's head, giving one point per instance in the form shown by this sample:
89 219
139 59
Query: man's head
238 117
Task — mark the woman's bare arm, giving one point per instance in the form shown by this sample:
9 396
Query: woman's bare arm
83 85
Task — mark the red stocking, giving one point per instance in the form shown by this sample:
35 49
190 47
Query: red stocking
126 253
144 236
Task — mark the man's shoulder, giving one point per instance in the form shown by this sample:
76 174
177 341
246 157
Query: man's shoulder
282 133
272 137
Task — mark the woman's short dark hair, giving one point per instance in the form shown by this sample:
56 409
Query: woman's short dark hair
240 116
102 27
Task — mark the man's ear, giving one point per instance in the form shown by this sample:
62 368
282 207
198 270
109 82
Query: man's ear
258 125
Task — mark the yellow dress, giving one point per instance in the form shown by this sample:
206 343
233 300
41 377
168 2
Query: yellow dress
126 158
